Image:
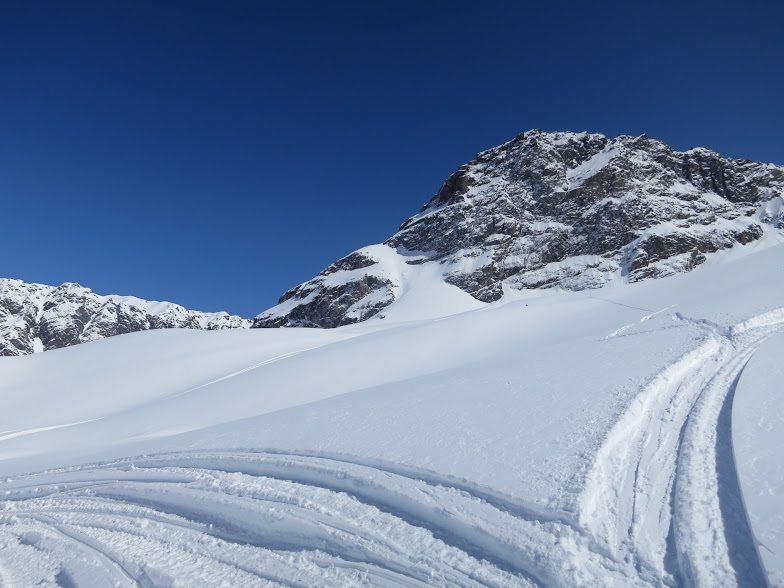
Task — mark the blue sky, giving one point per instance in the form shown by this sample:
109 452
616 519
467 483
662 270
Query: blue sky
218 153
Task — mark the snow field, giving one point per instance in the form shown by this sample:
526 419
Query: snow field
664 488
757 415
566 439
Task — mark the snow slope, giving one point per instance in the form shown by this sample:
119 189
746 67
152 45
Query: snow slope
561 438
757 417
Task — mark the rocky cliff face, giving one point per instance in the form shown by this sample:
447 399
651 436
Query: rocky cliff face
34 317
545 210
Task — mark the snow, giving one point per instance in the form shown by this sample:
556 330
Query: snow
499 221
419 290
757 415
772 211
575 177
82 315
550 438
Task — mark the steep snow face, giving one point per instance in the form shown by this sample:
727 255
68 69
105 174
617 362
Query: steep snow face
568 210
35 317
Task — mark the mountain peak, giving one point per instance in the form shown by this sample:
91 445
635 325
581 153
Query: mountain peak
552 210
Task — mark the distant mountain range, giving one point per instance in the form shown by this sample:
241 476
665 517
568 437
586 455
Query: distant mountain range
35 317
545 210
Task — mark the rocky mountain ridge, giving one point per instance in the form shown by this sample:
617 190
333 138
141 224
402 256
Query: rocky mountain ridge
36 317
546 210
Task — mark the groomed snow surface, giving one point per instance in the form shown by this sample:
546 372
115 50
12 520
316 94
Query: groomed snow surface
629 436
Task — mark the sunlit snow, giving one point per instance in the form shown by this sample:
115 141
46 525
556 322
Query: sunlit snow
551 438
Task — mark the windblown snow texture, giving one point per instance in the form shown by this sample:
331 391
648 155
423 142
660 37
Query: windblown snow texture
35 317
546 210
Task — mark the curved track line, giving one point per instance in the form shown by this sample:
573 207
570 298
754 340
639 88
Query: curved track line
119 574
242 519
169 522
663 490
501 501
399 497
715 545
360 518
473 541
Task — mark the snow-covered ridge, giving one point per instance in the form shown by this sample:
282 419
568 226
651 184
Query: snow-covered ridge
36 317
551 210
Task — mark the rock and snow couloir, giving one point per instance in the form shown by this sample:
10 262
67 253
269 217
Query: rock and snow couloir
35 317
551 210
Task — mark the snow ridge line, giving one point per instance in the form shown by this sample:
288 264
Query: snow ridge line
22 433
275 359
645 497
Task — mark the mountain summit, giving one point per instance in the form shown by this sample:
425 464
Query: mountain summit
552 210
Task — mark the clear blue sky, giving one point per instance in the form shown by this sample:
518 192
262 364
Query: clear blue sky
217 153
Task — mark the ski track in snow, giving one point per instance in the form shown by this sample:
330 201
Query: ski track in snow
254 517
663 493
661 506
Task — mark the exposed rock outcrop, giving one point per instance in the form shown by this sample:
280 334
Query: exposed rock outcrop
35 317
568 210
